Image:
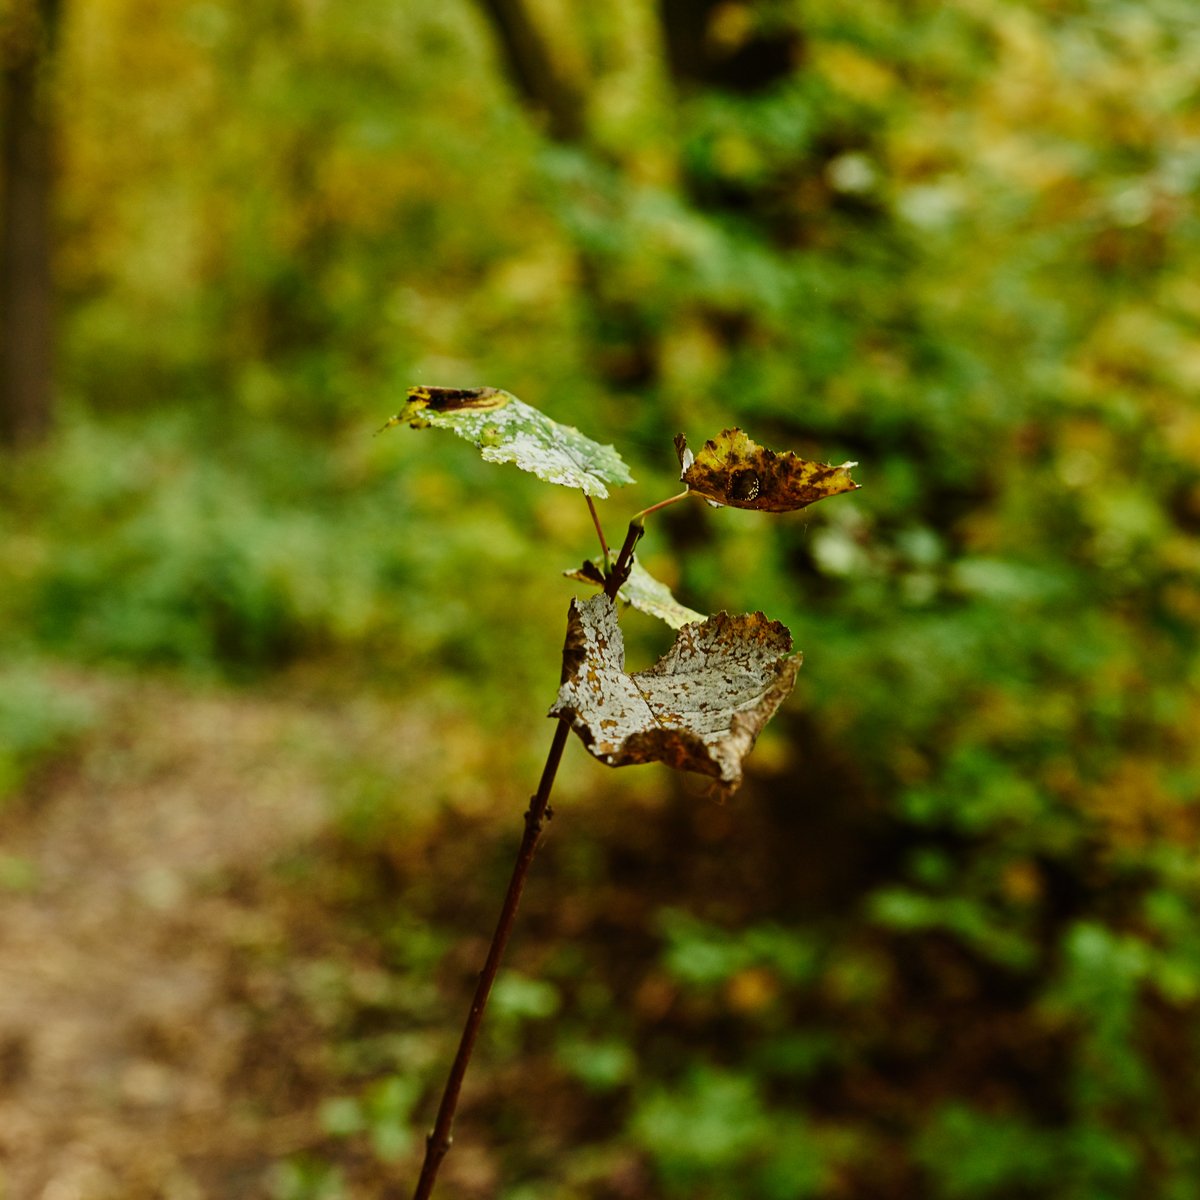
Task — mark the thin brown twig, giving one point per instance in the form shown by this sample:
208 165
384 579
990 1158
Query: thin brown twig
437 1144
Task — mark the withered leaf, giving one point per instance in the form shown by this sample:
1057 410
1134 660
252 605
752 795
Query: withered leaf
642 591
508 430
732 469
699 708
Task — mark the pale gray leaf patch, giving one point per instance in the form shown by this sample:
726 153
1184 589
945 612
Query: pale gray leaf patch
700 708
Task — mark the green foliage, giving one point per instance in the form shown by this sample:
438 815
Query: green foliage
972 1154
383 1114
149 545
194 565
17 874
601 1066
703 955
307 1178
712 1135
516 998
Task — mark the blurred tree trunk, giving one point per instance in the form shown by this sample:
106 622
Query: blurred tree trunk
26 290
709 43
533 70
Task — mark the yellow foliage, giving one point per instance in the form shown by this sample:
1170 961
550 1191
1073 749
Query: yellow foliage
852 73
1135 810
751 990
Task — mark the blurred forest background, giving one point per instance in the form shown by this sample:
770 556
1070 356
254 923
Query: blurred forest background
272 691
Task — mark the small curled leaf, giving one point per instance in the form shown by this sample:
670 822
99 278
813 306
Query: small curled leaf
506 429
642 591
732 469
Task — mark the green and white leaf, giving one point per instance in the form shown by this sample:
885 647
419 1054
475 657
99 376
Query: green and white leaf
508 430
642 591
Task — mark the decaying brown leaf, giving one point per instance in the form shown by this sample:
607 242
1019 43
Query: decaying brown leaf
699 708
732 469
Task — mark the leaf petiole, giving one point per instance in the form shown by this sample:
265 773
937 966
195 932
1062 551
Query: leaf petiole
664 503
599 528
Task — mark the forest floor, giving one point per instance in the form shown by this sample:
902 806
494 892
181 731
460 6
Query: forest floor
127 1031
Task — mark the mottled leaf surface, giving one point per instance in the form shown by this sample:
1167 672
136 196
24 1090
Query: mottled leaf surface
508 430
732 469
699 708
642 591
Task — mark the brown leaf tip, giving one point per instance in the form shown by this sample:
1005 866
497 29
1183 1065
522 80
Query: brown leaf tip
446 399
686 457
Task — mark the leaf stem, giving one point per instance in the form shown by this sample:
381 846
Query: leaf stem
599 529
663 503
438 1142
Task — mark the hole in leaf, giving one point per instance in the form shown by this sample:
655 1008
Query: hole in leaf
744 485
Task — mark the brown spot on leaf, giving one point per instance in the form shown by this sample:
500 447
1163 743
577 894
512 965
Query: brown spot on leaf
444 399
744 485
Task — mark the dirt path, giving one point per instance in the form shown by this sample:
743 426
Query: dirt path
118 1041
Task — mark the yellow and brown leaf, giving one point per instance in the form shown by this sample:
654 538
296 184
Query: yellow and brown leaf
735 470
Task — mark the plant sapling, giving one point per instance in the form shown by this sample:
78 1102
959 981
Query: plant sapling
701 707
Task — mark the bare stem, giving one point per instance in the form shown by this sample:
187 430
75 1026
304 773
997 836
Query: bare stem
624 564
599 528
438 1142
